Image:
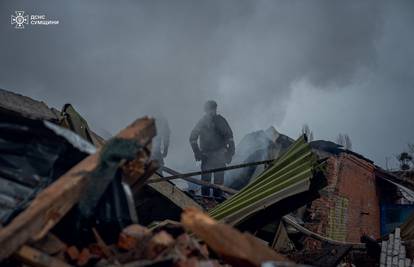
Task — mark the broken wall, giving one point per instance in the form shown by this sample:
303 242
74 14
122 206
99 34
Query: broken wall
350 205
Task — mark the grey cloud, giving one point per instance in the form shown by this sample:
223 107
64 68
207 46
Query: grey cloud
118 61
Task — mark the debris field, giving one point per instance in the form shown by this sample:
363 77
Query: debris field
70 198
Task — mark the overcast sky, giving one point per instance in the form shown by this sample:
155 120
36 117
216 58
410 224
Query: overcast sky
340 66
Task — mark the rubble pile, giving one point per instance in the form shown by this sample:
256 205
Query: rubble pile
70 198
166 244
393 252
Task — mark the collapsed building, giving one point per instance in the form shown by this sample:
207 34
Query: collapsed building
70 198
361 199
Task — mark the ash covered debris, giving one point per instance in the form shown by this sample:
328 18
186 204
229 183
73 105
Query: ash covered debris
70 198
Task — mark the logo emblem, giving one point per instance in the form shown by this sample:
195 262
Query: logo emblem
20 19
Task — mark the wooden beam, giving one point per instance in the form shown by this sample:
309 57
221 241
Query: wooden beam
236 248
34 257
56 200
177 175
175 195
289 220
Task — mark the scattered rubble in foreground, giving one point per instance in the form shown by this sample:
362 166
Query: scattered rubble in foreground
70 198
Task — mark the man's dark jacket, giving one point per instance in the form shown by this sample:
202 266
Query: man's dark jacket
215 134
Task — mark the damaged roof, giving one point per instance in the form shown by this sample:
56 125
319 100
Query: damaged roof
20 105
290 174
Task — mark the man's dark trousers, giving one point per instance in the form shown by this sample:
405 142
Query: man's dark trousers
212 160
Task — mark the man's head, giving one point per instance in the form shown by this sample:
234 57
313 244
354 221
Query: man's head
210 107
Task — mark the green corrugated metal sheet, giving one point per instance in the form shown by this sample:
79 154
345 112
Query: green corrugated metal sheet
289 175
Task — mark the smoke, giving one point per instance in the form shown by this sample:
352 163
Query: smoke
118 61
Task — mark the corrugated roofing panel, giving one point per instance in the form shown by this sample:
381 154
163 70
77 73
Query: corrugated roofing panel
289 175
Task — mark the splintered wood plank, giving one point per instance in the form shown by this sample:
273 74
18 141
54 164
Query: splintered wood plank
236 248
56 200
36 258
175 195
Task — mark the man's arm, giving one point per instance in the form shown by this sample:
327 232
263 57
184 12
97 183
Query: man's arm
228 136
195 133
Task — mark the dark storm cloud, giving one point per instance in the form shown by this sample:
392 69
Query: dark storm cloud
118 61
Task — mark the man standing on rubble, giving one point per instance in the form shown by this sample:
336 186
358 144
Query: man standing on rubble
216 145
